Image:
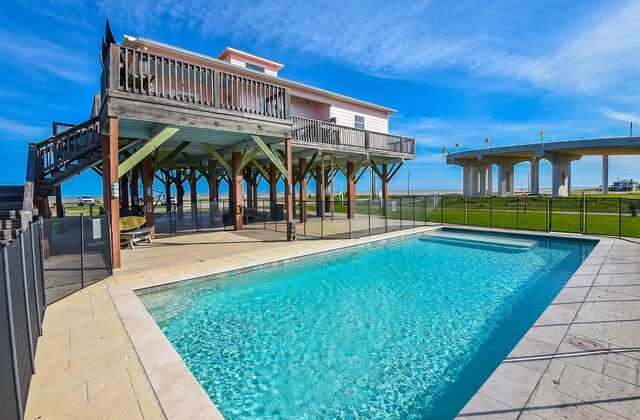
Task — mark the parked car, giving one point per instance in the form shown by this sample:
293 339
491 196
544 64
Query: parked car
162 199
86 200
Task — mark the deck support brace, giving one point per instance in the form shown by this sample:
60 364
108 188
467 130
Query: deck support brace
154 142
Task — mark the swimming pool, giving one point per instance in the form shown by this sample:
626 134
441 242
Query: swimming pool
409 328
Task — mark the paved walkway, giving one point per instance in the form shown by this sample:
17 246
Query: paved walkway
88 366
549 376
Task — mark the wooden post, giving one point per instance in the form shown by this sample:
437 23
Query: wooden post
319 181
167 191
213 181
236 190
147 181
179 194
255 189
248 177
124 195
273 195
351 191
288 187
59 203
110 182
302 162
385 188
133 187
193 191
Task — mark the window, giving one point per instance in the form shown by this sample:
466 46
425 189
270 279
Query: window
359 122
255 67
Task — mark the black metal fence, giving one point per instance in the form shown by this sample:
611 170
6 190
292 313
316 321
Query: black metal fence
612 216
77 253
22 302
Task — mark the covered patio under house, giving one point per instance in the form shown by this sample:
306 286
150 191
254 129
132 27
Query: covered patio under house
175 116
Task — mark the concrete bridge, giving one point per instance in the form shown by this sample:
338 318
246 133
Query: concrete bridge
477 165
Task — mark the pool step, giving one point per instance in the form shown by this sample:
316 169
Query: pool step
489 241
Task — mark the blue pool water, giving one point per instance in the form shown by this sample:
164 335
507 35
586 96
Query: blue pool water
406 329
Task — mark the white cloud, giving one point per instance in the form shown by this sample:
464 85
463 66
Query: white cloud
22 129
619 116
42 58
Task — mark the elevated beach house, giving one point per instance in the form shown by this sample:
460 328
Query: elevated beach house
182 116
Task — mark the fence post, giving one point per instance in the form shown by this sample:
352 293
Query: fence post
466 209
35 279
586 214
581 214
81 251
414 211
546 216
550 214
400 212
369 216
27 310
12 332
442 210
619 217
490 211
42 280
425 210
517 212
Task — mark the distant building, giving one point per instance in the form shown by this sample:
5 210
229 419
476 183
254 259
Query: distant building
624 185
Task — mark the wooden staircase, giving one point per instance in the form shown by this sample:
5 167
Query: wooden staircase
67 153
11 203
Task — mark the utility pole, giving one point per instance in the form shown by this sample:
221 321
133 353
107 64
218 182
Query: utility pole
408 182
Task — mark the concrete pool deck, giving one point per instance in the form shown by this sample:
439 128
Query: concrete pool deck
100 357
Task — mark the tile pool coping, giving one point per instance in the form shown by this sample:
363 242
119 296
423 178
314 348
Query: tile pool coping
178 391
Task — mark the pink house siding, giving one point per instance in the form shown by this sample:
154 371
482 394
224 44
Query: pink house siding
302 107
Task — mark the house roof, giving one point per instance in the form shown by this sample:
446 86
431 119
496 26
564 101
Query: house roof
227 51
274 79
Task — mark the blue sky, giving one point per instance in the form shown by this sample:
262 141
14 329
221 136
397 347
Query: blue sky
457 72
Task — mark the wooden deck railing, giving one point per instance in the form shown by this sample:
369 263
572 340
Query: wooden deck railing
323 132
147 74
61 149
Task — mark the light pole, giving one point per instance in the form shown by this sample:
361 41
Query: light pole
486 143
541 136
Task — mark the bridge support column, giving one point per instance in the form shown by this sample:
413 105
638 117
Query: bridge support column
479 182
534 177
506 180
110 186
147 181
351 191
466 181
605 174
235 192
561 179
